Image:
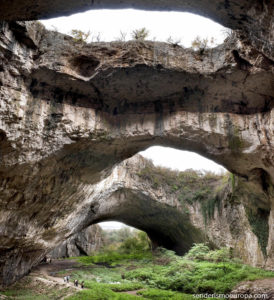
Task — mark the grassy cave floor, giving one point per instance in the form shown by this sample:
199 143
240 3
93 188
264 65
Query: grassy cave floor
161 275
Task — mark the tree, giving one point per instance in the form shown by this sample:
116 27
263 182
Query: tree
79 35
140 34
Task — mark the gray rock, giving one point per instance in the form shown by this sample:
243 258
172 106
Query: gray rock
71 112
84 242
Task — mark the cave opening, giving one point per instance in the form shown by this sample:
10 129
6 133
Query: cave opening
166 221
163 26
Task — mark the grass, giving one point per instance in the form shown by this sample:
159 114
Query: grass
168 276
197 276
112 257
40 292
160 276
158 294
100 292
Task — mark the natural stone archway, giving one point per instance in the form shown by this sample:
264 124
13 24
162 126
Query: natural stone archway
255 20
70 112
165 225
147 198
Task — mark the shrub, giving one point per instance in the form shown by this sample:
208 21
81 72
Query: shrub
221 255
140 34
202 44
80 36
198 251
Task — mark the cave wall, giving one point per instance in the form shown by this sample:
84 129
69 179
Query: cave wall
70 112
85 242
141 196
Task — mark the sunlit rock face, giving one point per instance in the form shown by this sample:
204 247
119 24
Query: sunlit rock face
85 242
70 112
254 19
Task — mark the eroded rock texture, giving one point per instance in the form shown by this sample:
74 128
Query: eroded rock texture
85 242
254 19
70 112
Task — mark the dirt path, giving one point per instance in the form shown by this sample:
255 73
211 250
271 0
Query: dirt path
45 273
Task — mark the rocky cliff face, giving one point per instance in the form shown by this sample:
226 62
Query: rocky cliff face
219 209
70 112
85 242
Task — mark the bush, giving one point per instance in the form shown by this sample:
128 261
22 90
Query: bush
221 255
80 36
140 34
198 251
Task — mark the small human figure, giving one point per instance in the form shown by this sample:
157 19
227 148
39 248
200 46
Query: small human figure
65 278
76 282
82 284
68 278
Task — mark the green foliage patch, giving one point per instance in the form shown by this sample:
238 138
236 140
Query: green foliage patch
158 294
198 275
100 292
111 257
259 224
189 186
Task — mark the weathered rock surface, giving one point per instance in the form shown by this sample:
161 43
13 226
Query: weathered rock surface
85 242
257 289
70 112
255 20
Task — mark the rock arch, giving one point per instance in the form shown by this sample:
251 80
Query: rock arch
66 128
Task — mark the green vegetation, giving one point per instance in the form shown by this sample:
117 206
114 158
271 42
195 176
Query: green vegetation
165 275
140 34
112 257
120 245
235 142
161 275
189 186
100 292
202 252
183 275
126 240
79 35
259 225
158 294
27 289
